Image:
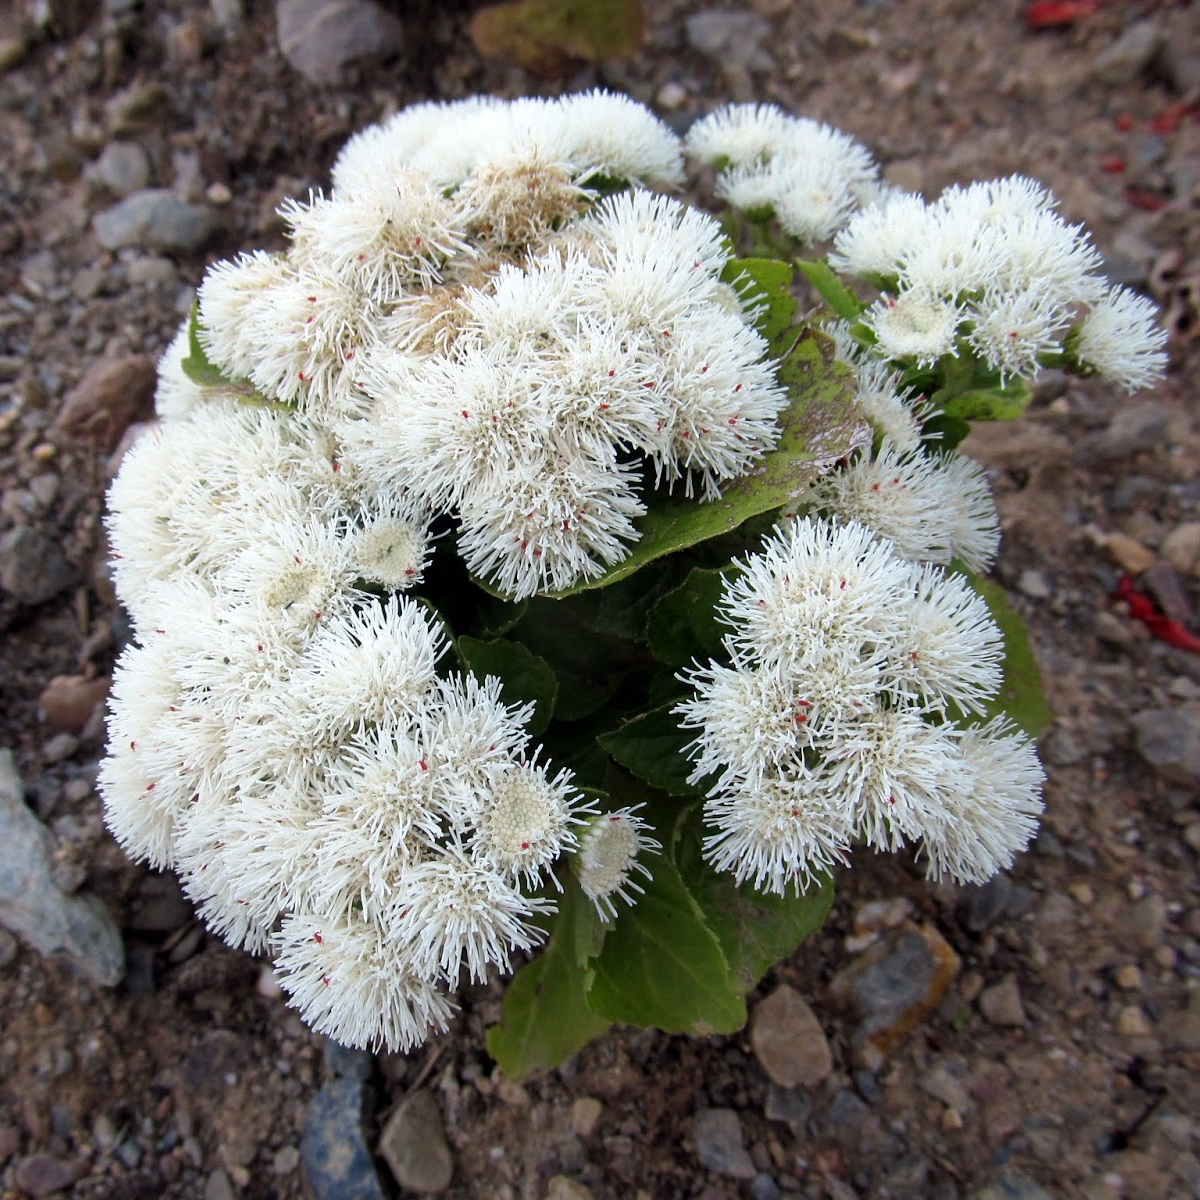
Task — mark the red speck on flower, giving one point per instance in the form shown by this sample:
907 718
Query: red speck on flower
260 646
733 420
795 812
410 571
423 765
841 585
133 745
1114 166
318 939
737 389
337 466
874 487
704 369
311 299
465 414
160 631
648 385
302 377
611 374
350 356
151 786
325 980
605 407
614 820
524 845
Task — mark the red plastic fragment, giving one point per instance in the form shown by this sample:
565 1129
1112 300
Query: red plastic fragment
1145 199
1124 123
1052 14
1171 117
1114 166
1161 626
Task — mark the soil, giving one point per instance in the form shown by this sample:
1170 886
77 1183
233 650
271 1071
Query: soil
1070 1037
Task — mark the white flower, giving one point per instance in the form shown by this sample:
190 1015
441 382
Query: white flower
738 134
781 834
525 822
227 295
916 324
607 859
452 914
388 544
351 982
1120 337
878 239
612 136
892 416
142 810
993 814
975 523
1012 330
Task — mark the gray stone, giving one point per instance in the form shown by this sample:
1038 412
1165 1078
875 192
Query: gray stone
1062 748
720 1143
413 1144
337 1163
218 1187
228 14
893 986
1169 740
325 39
344 1062
1135 427
729 38
982 904
43 1174
788 1040
793 1106
1131 53
78 927
1144 923
123 167
1011 1186
112 395
763 1187
1001 1003
1035 584
947 1081
156 219
32 567
1181 548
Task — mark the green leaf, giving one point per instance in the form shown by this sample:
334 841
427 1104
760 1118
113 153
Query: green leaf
831 289
765 284
683 625
986 403
625 605
546 1018
525 675
496 616
651 746
756 930
948 431
196 366
1021 697
820 425
662 966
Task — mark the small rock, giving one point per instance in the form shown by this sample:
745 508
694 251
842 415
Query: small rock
763 1187
788 1040
59 748
729 38
218 1187
1131 53
1191 835
285 1161
671 96
1063 748
159 906
563 1187
1133 1022
1035 584
720 1144
67 701
32 567
228 14
156 219
325 39
947 1081
337 1163
43 1174
893 986
111 396
79 927
1162 582
1181 548
1011 1186
139 107
1169 740
1128 553
413 1144
585 1114
1128 977
982 904
123 167
8 952
1144 923
1135 428
792 1106
1001 1003
12 51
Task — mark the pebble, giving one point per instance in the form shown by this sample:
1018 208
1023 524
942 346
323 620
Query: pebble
585 1114
228 14
563 1187
1163 583
947 1081
788 1040
413 1144
1121 62
1128 553
1135 428
1001 1003
218 1187
337 1163
325 41
67 701
1035 584
149 270
893 986
285 1161
720 1143
112 395
32 567
344 1062
671 95
123 168
1169 740
1181 548
1011 1186
763 1187
1129 977
729 38
1143 923
31 906
59 748
156 219
137 108
1133 1022
43 1174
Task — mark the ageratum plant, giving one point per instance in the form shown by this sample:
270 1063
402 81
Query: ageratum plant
518 577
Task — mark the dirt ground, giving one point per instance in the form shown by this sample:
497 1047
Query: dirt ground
1062 1061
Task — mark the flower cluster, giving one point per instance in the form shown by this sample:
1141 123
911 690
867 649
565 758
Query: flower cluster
841 716
993 270
472 303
